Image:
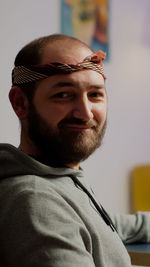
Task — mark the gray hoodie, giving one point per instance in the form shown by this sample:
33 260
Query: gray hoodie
47 220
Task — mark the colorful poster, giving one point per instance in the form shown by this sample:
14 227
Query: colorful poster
86 20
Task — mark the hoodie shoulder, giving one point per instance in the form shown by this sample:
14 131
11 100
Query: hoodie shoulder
13 162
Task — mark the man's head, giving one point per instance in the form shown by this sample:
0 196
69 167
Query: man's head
63 116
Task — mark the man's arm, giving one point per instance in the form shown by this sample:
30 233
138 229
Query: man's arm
133 227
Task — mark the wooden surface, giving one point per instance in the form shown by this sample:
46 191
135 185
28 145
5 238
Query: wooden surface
139 254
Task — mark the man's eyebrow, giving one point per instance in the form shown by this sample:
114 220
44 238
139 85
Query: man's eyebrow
75 85
97 86
63 84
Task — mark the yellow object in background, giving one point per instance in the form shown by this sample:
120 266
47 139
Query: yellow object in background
140 188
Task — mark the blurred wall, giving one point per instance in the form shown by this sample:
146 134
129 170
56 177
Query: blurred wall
126 142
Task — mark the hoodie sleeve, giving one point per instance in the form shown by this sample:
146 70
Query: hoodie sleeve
133 228
43 230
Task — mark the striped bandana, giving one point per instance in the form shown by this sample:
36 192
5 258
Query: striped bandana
26 74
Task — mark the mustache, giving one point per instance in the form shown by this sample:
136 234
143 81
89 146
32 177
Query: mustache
91 123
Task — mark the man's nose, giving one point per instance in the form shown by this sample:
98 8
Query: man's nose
83 109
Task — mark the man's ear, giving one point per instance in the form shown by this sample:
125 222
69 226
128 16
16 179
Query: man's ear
19 102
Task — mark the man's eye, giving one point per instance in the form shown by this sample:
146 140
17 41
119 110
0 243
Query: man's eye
62 95
96 95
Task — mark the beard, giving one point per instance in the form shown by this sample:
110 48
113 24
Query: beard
61 146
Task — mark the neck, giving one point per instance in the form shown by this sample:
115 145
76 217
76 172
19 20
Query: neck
74 166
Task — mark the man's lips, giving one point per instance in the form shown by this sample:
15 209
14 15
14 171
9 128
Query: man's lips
77 126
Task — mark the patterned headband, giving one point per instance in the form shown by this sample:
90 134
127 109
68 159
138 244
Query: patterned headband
26 74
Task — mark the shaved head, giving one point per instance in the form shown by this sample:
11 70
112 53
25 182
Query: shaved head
65 51
32 53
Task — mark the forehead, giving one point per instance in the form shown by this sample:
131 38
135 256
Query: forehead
81 81
68 52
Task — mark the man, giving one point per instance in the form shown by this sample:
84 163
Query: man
49 216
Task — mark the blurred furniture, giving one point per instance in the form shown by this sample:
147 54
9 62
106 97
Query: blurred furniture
140 188
139 254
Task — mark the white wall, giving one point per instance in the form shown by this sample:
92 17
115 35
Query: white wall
126 142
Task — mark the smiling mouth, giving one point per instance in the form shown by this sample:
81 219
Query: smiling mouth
78 127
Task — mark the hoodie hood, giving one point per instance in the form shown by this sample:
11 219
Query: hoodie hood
14 162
